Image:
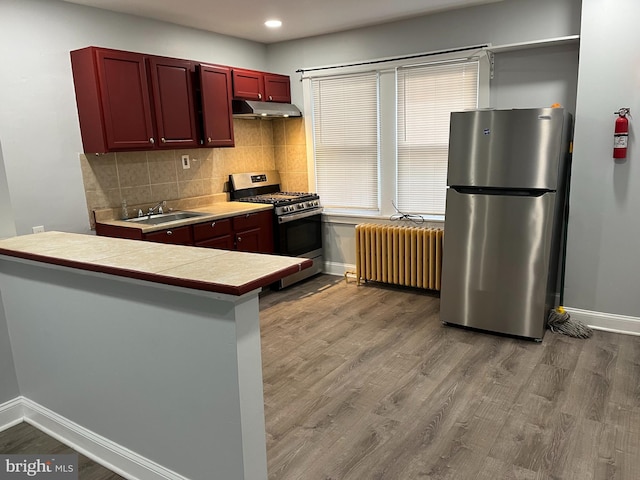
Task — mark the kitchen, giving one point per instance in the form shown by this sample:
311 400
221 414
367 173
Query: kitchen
600 284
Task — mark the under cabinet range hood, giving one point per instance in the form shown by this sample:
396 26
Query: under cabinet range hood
253 109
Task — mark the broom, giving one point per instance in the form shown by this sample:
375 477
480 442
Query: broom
560 321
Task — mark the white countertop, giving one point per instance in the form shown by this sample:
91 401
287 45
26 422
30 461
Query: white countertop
213 270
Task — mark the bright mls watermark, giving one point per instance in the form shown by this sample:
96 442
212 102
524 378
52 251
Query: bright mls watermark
39 467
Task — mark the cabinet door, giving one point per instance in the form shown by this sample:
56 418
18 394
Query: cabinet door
248 240
266 232
125 100
215 90
248 84
171 84
255 231
277 88
179 236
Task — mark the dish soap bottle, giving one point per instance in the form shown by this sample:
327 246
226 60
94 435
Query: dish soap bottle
125 213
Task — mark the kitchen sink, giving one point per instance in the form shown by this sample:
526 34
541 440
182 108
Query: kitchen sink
165 217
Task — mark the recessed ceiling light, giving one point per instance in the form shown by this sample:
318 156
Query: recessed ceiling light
273 23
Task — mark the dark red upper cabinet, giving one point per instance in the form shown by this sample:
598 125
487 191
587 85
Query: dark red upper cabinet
215 92
248 84
266 87
277 88
112 96
130 101
174 112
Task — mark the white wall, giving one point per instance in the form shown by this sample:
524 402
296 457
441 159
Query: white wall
536 77
510 21
7 223
39 129
603 263
8 380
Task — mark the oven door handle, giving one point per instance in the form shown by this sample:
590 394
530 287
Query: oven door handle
291 217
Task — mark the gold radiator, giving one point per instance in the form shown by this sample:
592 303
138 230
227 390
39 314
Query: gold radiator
400 255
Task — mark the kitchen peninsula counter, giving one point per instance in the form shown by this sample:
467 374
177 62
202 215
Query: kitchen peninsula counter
145 356
220 271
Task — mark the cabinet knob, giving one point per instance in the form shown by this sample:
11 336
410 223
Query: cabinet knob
169 232
152 141
213 224
239 239
259 96
209 140
163 140
270 98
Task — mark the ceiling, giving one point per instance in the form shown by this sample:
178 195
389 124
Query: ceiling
300 18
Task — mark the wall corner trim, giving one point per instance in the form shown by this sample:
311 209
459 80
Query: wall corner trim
608 322
107 453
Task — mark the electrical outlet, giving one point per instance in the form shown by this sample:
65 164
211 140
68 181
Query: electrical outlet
38 229
185 162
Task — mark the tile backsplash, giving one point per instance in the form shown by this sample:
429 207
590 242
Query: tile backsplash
148 177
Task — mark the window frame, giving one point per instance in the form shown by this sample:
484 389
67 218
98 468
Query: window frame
388 149
423 152
346 148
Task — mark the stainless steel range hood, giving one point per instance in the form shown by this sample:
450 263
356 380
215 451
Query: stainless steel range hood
252 109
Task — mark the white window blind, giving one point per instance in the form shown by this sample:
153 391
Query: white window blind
345 126
427 95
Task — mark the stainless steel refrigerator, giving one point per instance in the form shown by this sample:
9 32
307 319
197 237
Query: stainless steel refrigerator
505 221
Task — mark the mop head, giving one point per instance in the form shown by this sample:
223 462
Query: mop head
560 322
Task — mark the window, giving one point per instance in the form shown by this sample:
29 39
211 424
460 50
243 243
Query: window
345 128
380 138
426 97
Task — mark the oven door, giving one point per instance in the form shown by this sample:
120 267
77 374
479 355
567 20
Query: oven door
299 233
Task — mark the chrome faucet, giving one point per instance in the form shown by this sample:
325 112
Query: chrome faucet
159 206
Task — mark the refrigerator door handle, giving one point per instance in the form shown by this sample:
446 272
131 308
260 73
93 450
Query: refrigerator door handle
509 192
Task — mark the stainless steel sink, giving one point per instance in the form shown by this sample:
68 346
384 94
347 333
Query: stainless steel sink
165 217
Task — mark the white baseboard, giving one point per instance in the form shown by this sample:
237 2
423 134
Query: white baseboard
107 453
11 413
608 322
335 268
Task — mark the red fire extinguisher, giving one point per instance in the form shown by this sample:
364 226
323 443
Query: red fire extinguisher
621 133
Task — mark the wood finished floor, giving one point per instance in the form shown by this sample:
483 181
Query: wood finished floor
25 439
365 383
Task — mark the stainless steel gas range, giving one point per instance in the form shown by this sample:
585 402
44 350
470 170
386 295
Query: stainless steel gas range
297 220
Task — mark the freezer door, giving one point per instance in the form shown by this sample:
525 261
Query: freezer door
508 148
496 260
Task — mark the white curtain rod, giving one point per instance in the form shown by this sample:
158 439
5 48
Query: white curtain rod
393 59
